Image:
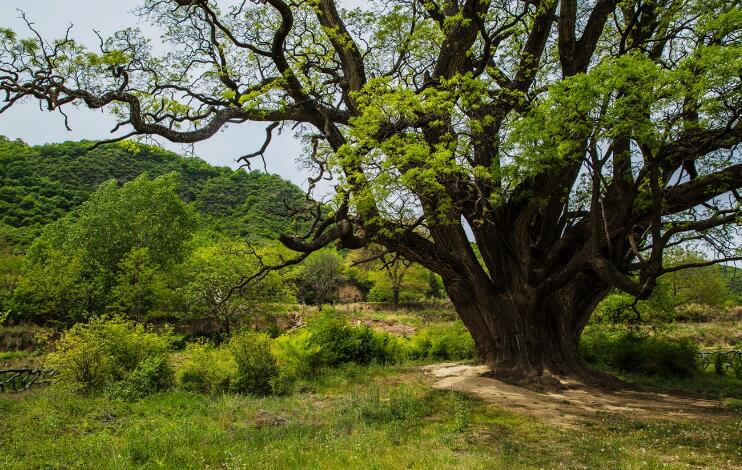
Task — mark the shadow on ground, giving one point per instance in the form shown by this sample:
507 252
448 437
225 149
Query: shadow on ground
575 402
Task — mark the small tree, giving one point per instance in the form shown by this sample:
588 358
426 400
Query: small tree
384 268
143 213
216 286
77 262
391 277
322 275
435 286
702 285
395 268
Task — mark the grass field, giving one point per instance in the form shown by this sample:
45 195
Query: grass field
366 417
353 417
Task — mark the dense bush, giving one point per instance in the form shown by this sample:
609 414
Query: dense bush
201 367
151 375
256 364
442 342
297 355
329 341
639 352
339 342
109 351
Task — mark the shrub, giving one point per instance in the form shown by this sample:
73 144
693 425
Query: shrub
256 364
204 368
639 353
329 342
106 351
341 343
152 375
296 354
442 342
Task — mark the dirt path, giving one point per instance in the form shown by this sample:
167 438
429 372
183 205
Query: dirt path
572 404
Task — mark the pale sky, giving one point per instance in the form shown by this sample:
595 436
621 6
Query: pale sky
52 17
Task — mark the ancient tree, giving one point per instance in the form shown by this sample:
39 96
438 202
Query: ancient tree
535 154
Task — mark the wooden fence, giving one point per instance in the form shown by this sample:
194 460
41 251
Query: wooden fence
17 380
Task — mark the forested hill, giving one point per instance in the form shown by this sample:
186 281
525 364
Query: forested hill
39 184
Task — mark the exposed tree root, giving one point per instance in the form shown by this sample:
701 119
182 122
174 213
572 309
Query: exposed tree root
557 378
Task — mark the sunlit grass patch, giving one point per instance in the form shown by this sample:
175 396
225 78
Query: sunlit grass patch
352 417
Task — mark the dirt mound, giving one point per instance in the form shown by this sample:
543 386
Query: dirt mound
575 402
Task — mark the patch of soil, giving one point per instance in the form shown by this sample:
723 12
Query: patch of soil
575 402
388 326
264 419
389 307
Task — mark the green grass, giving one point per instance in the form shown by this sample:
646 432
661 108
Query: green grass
355 417
711 335
404 315
20 359
707 384
8 355
358 417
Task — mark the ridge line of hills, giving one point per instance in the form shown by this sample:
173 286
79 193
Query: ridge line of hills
40 184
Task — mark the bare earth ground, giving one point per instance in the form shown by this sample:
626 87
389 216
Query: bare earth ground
576 401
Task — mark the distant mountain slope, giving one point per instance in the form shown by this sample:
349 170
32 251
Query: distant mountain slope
39 184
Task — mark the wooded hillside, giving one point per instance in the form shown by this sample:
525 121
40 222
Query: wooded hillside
39 184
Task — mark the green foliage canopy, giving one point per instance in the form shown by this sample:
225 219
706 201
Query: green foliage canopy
102 246
215 286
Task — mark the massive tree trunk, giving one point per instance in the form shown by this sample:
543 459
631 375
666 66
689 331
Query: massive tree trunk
527 338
